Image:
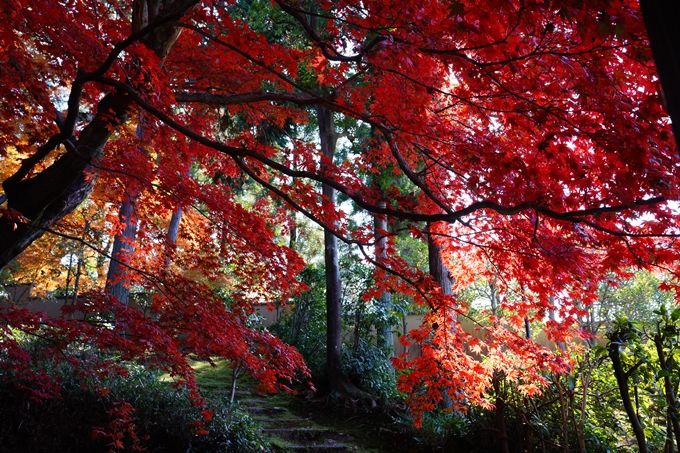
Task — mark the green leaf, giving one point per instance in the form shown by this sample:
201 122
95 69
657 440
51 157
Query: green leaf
662 373
675 314
599 351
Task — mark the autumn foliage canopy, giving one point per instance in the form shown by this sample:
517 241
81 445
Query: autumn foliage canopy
529 135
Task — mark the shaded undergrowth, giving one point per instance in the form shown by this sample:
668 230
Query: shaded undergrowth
136 412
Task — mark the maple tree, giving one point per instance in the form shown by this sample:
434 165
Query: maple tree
527 140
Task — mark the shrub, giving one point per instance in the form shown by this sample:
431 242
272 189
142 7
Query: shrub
439 429
120 413
368 368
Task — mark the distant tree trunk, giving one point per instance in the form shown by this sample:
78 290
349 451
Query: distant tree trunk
358 315
117 283
438 269
292 244
173 230
328 138
551 316
68 277
527 327
385 300
493 297
235 373
79 269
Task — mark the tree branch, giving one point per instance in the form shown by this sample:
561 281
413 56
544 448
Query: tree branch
252 97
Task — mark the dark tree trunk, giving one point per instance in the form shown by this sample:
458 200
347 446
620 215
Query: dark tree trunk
493 297
527 327
624 390
500 425
500 414
16 237
438 269
328 138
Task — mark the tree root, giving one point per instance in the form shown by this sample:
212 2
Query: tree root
353 395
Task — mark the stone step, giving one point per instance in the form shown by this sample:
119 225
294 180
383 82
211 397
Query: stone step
265 410
321 448
252 401
220 389
289 433
279 422
297 434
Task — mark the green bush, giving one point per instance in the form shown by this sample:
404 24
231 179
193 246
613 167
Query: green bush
166 414
439 429
87 412
368 368
303 324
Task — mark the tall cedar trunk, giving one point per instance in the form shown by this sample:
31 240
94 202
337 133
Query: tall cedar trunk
438 269
440 273
79 270
292 244
117 283
328 138
527 327
68 276
57 190
385 299
493 297
669 389
624 390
